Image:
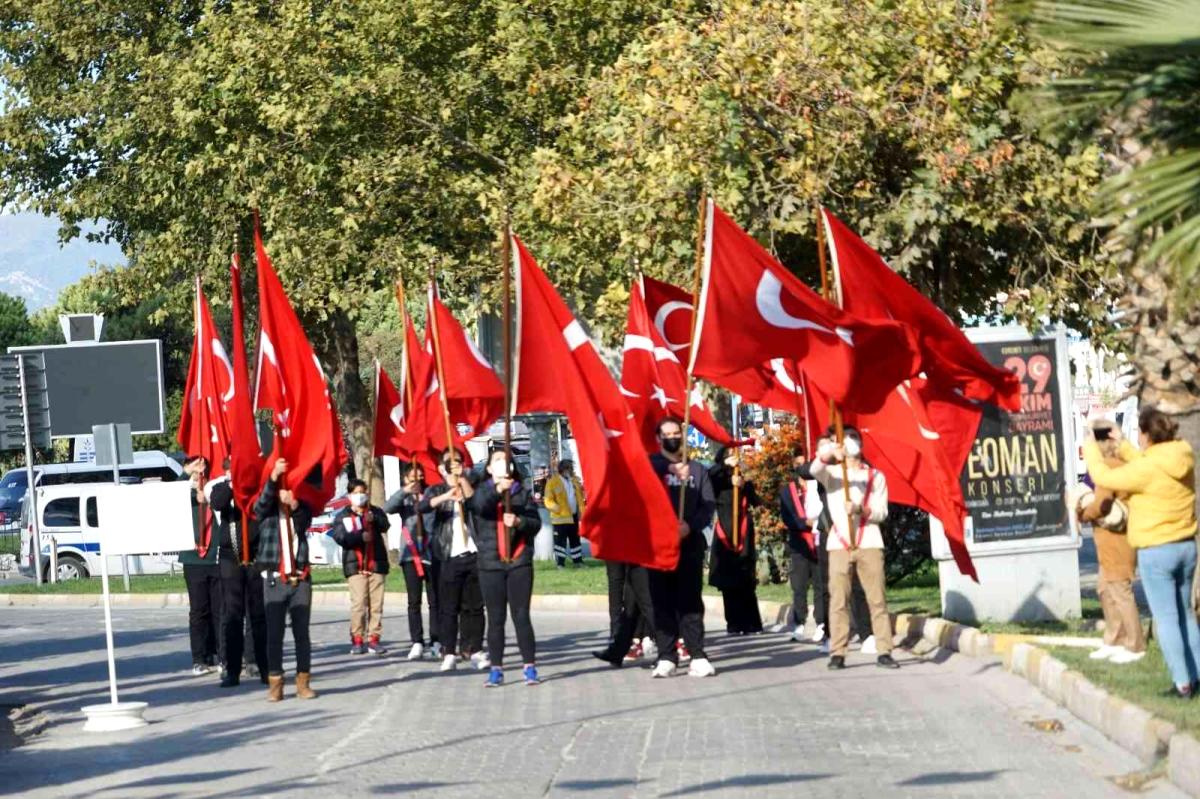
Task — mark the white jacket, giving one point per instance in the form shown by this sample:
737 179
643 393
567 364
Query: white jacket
866 531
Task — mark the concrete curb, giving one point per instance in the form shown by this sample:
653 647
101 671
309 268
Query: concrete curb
1133 728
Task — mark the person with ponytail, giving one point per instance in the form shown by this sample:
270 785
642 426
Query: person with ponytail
733 563
855 542
1160 479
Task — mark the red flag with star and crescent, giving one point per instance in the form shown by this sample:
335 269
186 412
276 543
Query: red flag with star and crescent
628 517
653 379
292 383
245 452
752 310
203 427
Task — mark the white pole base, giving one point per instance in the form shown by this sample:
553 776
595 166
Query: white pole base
114 716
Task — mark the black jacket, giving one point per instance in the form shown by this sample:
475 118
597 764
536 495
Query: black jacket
354 549
439 521
800 535
228 522
266 510
729 568
698 503
412 536
192 557
487 506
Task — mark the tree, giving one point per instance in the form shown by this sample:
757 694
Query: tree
899 115
15 329
371 135
1140 91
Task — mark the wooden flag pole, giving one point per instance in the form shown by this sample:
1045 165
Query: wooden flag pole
407 388
834 414
441 376
506 280
737 495
687 395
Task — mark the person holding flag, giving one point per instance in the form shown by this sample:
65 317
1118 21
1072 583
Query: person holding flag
733 567
415 560
201 575
506 521
857 499
677 594
359 530
287 583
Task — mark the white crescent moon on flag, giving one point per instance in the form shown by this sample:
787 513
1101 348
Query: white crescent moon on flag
782 376
660 321
477 353
397 416
770 306
932 435
219 352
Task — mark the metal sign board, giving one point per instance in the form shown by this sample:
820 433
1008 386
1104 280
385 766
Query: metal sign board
104 435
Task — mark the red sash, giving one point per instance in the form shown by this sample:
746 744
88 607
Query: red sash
862 519
206 524
502 543
416 553
365 554
720 530
798 501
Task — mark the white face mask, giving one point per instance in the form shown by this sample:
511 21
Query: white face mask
498 469
853 447
359 500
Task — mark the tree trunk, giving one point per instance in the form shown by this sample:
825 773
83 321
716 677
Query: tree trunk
339 352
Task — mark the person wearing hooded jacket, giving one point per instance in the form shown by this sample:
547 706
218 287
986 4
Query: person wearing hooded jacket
415 560
505 539
359 530
1160 479
733 564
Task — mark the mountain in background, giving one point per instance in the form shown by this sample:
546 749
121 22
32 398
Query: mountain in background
34 267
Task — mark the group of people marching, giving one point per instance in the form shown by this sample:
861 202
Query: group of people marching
466 546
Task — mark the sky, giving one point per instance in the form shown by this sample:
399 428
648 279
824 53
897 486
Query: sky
35 267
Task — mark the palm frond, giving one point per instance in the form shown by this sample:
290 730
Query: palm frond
1121 24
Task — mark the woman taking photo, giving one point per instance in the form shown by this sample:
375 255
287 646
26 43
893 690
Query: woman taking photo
1160 481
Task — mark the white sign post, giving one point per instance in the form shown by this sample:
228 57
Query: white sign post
134 520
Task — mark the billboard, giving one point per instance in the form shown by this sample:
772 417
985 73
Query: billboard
97 383
1021 465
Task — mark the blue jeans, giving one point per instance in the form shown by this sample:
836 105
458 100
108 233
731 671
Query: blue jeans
1167 572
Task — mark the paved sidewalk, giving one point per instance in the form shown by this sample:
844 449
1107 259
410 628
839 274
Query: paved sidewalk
774 723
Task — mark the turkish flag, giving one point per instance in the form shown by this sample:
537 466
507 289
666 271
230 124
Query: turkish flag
653 379
245 453
628 517
473 393
775 384
292 383
871 290
400 423
752 310
203 429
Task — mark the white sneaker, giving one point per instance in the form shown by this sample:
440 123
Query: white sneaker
1124 656
480 661
779 628
663 668
798 635
416 652
649 648
825 646
1105 652
868 647
435 651
701 667
449 663
818 634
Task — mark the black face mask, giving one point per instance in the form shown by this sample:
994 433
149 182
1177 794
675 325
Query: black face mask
672 445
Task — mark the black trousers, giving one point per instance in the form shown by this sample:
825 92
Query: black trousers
204 610
567 544
282 600
460 594
679 606
631 610
242 597
804 573
860 613
414 584
505 590
741 609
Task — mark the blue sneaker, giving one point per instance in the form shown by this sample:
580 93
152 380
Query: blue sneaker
531 675
495 678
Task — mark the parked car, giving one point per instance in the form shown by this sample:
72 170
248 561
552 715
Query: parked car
68 515
149 465
322 549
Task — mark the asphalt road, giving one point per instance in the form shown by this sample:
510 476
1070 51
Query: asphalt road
774 722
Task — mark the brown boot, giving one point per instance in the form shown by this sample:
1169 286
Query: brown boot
303 689
275 688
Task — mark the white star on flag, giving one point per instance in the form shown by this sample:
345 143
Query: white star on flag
660 396
697 398
608 433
